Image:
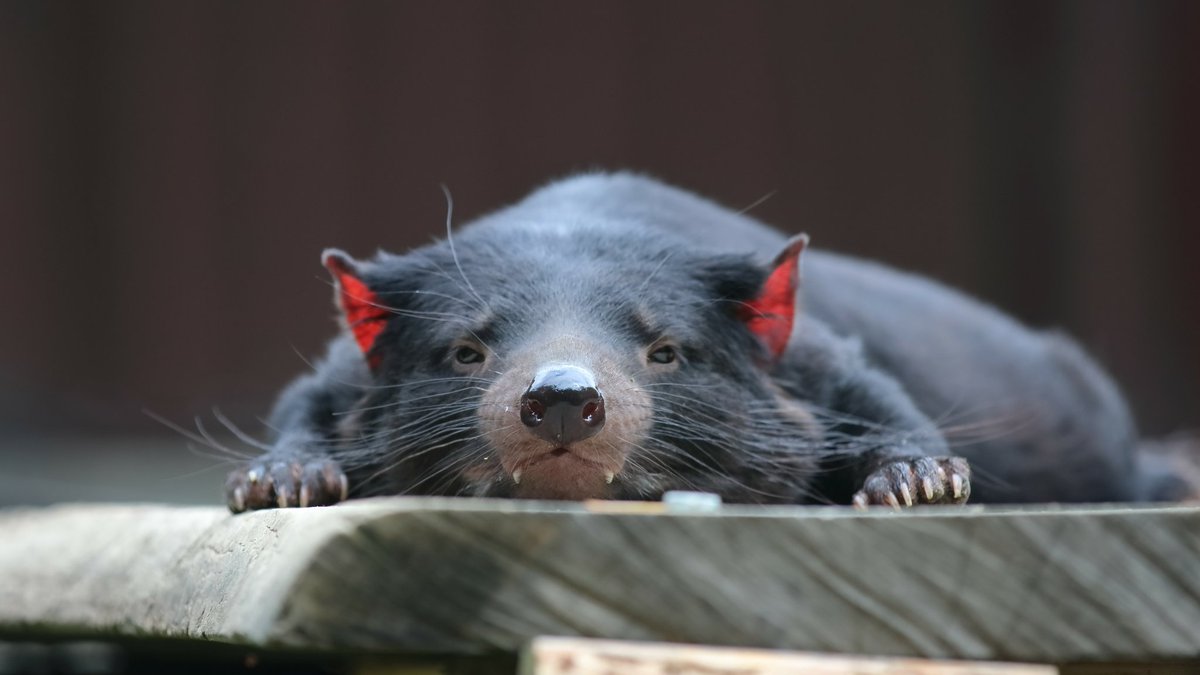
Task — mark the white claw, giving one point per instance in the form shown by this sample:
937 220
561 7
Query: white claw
957 481
608 477
252 476
928 485
345 488
303 496
281 501
239 500
860 501
906 494
892 501
517 476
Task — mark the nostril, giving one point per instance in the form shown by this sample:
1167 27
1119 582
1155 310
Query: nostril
593 412
532 412
536 407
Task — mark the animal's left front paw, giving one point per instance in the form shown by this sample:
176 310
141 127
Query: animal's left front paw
924 480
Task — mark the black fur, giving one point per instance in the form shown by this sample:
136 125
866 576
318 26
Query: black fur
888 365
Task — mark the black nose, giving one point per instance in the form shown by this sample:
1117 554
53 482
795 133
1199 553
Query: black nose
563 405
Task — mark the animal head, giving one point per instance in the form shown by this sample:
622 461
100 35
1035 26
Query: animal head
573 363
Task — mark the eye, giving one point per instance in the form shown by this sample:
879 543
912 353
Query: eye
663 355
468 355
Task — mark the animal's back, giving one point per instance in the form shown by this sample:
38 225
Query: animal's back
1036 417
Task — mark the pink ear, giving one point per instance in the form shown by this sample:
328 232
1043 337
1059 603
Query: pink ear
772 314
365 315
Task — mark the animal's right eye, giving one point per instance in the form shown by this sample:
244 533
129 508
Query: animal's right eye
663 355
468 356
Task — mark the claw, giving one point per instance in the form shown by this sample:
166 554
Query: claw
908 501
892 501
957 481
345 487
927 483
239 500
281 500
860 501
303 496
252 476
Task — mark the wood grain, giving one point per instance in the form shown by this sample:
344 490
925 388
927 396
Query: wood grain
479 576
574 656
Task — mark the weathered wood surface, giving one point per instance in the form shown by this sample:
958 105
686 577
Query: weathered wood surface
476 576
575 656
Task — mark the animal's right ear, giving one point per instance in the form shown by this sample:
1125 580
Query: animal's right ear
364 314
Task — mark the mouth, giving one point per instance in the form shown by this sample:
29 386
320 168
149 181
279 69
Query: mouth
562 474
558 455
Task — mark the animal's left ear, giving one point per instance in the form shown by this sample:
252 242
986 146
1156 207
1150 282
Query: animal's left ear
771 314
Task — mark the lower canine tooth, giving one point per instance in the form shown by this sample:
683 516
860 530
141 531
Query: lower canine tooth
517 477
608 476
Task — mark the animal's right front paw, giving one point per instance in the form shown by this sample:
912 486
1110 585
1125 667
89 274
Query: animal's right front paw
278 483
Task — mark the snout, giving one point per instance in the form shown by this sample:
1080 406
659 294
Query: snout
565 445
563 405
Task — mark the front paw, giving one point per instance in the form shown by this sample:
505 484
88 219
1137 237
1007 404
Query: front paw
924 480
281 483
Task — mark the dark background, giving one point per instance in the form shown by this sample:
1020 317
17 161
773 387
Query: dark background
170 171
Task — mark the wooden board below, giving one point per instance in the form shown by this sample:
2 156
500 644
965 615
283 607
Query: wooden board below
478 576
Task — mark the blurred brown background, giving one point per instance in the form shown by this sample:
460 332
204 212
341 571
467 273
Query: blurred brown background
170 171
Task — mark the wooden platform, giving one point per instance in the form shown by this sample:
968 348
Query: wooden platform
482 577
573 656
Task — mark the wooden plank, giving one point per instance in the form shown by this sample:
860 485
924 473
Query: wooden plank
575 656
480 576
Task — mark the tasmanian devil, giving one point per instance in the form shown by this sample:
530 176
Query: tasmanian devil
613 337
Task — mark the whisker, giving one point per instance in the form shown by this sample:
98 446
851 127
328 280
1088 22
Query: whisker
453 250
241 435
199 439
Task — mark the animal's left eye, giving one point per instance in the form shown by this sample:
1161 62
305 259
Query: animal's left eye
664 355
467 356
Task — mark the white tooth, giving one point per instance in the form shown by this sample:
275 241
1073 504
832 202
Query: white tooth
608 476
517 477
